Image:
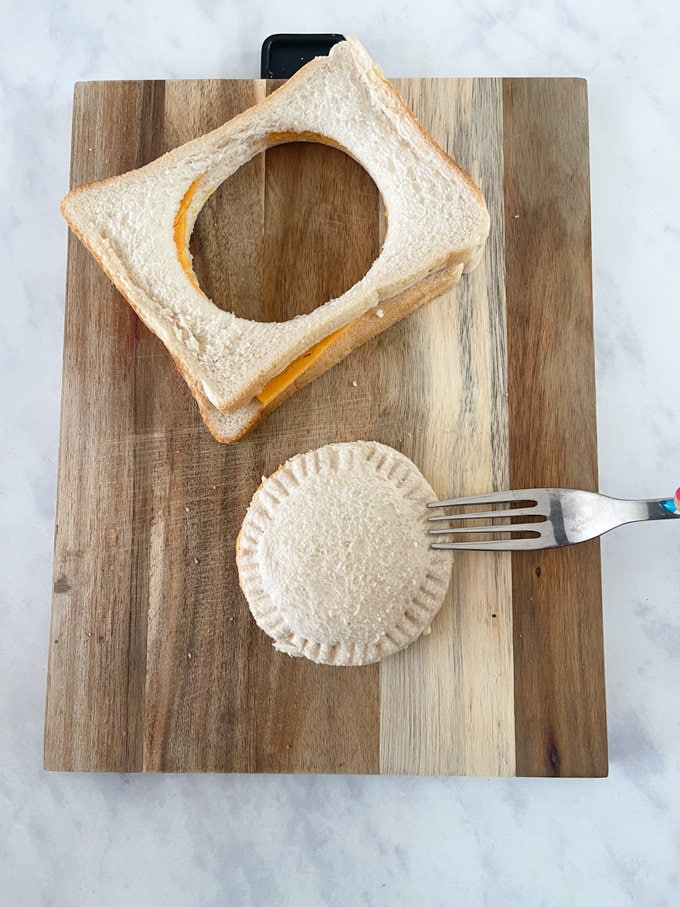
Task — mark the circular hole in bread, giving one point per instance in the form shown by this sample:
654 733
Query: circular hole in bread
310 225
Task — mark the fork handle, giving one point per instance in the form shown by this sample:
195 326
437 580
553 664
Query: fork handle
608 513
663 508
612 512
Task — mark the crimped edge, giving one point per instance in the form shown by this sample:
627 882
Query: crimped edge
418 613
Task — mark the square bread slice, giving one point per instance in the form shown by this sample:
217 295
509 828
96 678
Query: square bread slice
137 225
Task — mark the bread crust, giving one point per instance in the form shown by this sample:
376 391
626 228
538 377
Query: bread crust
428 138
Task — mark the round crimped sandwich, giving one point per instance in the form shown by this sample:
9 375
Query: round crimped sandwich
334 556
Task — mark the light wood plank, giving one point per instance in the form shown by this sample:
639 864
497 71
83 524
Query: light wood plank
447 701
91 723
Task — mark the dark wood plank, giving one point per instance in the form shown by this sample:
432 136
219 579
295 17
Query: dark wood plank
322 223
198 698
182 679
557 612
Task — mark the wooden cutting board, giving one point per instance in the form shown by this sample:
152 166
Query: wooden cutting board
155 663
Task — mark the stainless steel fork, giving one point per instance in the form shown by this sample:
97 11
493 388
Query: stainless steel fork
549 518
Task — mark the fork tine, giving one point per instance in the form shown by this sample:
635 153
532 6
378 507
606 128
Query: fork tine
484 515
492 497
509 527
494 545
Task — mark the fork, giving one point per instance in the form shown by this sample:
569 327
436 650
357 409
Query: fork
557 517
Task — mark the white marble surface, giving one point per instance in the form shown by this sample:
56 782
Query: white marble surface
115 840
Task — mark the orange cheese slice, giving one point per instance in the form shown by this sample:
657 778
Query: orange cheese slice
280 382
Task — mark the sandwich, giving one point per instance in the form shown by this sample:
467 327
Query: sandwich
334 556
138 225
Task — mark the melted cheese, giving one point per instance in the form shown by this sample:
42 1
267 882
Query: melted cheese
180 233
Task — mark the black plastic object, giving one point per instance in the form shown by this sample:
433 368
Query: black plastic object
283 55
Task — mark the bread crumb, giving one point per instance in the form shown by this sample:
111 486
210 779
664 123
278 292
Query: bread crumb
354 384
189 655
380 313
187 509
516 216
196 561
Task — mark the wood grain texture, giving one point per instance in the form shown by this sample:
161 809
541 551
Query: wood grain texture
559 669
155 663
442 711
